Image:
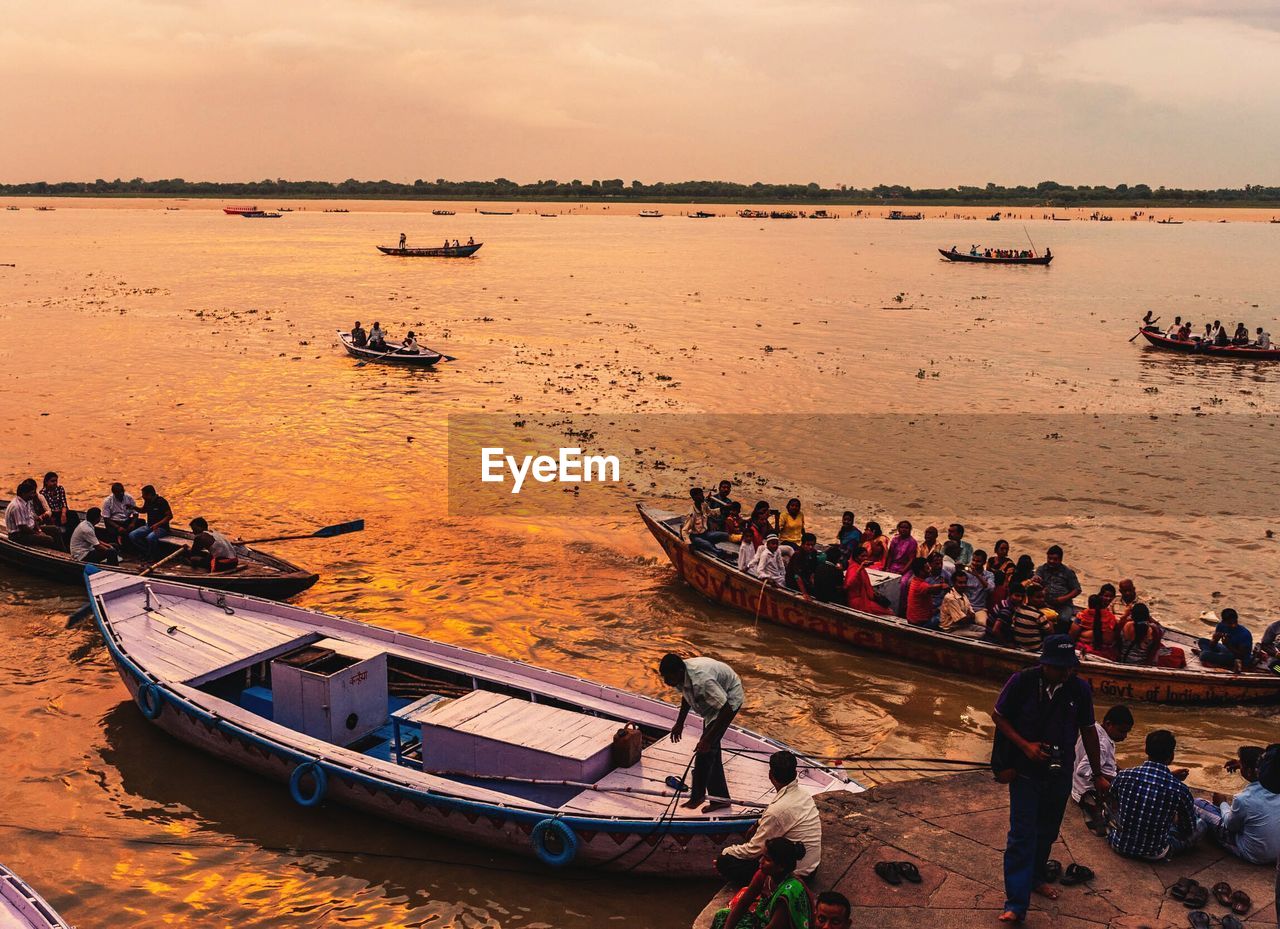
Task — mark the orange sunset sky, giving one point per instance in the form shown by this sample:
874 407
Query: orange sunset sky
1174 92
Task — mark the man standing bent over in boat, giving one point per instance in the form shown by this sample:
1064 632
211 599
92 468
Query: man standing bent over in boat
1037 716
713 690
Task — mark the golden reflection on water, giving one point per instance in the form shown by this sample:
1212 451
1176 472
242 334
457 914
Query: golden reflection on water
197 352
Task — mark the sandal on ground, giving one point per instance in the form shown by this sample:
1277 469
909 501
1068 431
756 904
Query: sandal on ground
1052 870
1196 897
1222 893
888 872
1230 922
1199 919
908 870
1240 903
1181 887
1076 874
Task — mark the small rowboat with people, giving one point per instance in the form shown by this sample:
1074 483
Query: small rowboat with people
955 255
963 651
256 573
392 354
650 214
22 908
1202 349
442 212
438 251
465 745
898 214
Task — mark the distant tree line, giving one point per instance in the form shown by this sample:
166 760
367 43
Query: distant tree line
1045 193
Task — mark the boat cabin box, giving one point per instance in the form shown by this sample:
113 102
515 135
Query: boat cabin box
331 690
487 734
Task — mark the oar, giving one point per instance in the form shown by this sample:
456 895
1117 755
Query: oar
760 600
1139 332
163 561
328 532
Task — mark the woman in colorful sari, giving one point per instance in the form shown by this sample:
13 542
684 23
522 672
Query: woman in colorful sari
859 593
775 898
902 550
1094 630
877 545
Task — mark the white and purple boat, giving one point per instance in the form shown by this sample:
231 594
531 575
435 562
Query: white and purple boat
449 740
23 908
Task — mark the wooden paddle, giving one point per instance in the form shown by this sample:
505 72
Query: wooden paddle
760 601
328 532
163 561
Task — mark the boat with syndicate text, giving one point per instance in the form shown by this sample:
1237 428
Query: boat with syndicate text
452 741
257 573
438 251
954 255
22 908
963 651
1202 349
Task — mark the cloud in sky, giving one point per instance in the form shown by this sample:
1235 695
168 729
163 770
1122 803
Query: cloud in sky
1177 92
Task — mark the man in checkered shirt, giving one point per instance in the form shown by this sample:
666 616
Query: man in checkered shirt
1154 812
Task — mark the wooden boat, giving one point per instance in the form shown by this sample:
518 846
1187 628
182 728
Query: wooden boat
497 212
548 215
898 214
15 209
1168 222
261 214
650 214
469 746
702 214
45 209
22 908
1198 348
993 218
442 212
821 214
782 214
753 214
983 259
717 578
259 574
393 356
438 251
240 210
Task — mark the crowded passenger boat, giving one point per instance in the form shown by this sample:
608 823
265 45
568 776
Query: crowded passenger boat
977 253
943 601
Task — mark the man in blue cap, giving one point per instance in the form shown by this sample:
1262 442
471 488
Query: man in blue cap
1038 715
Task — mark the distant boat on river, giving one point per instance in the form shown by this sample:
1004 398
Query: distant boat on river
898 214
240 210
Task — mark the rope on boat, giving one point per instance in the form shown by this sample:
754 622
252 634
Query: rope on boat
585 786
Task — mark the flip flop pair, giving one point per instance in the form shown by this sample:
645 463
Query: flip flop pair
893 872
1237 901
1199 919
1196 897
1077 874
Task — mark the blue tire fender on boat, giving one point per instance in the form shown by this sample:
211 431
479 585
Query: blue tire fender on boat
554 842
319 783
149 700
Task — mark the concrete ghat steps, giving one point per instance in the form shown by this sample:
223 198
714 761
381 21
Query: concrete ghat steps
954 829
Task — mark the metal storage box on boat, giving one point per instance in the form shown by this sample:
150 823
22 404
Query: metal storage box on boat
331 690
487 734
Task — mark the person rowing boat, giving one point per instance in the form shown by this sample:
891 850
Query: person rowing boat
210 549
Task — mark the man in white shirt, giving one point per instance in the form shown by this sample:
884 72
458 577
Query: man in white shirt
85 544
792 815
1264 338
20 520
713 690
120 511
1115 727
769 563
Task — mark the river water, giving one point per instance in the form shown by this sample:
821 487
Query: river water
196 351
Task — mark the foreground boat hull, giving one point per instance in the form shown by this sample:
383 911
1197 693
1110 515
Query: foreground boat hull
20 905
1200 350
963 257
683 844
729 587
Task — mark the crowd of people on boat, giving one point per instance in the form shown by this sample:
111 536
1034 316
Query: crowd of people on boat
39 516
376 340
977 251
947 584
1215 333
